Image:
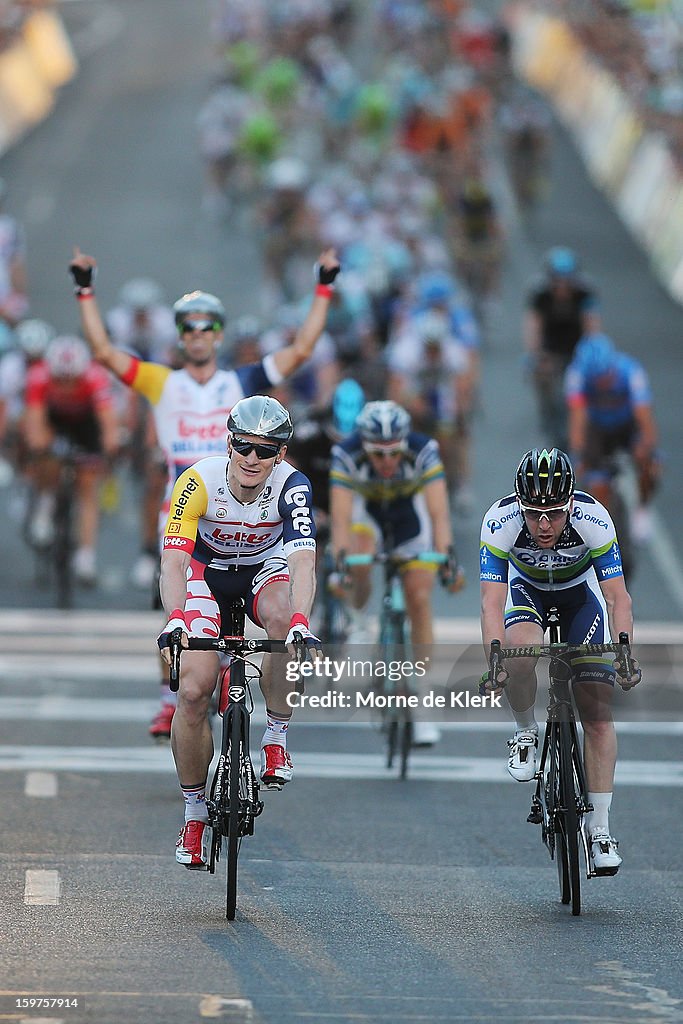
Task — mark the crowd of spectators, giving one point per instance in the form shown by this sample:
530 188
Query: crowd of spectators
640 43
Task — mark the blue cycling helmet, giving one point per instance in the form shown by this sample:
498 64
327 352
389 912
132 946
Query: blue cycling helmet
347 403
595 355
436 286
561 261
383 423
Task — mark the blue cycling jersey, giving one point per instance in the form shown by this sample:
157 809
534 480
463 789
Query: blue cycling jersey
610 398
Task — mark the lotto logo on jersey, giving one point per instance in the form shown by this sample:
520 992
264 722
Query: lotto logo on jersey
221 537
177 542
301 514
201 431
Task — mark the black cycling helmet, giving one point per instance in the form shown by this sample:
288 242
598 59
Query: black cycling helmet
199 302
261 416
544 478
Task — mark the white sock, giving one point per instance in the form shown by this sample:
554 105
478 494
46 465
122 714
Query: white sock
599 816
276 730
195 803
526 719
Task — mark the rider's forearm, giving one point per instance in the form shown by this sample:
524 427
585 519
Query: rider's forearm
620 614
173 582
492 613
95 334
293 356
301 582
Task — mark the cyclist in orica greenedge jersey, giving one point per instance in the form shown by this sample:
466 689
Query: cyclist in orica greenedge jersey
388 487
548 545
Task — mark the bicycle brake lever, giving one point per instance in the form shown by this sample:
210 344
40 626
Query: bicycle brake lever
175 647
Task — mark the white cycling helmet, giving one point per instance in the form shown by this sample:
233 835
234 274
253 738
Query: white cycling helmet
141 293
67 356
33 337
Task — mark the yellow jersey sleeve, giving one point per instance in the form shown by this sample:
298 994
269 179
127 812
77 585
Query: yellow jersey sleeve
147 378
189 501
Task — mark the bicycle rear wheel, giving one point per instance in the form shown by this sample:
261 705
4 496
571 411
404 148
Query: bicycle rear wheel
568 819
233 735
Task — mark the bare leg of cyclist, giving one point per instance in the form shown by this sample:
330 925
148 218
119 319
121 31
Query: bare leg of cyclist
593 701
191 737
521 696
192 746
88 479
418 584
274 614
361 586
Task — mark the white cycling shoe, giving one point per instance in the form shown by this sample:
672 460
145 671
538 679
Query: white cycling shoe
604 852
522 757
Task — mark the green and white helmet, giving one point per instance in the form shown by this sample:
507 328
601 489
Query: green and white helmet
261 416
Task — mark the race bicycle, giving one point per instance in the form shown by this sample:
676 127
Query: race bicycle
233 803
394 646
560 800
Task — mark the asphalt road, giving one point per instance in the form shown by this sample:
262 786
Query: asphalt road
362 899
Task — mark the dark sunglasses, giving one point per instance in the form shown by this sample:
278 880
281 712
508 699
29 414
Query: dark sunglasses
263 451
188 326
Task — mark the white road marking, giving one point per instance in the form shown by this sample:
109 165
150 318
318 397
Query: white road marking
146 760
122 631
220 1006
42 888
41 784
106 709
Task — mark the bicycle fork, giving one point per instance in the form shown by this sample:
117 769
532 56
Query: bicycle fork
543 811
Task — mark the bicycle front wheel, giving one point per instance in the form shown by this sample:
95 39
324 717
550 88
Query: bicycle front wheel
233 734
568 819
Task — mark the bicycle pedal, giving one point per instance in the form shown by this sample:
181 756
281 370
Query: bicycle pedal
274 785
604 872
535 817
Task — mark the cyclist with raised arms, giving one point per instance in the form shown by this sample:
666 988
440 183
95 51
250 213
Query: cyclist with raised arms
388 488
190 405
239 526
547 545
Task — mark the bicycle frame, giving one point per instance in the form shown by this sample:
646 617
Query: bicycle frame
233 803
393 641
560 801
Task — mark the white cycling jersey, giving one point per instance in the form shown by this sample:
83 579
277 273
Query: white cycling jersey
587 547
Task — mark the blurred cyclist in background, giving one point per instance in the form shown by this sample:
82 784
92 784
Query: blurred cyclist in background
561 307
13 276
610 411
31 340
69 399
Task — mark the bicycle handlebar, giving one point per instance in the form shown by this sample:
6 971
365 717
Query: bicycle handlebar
623 648
382 558
223 644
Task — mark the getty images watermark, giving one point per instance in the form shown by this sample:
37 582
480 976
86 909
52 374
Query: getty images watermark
410 694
